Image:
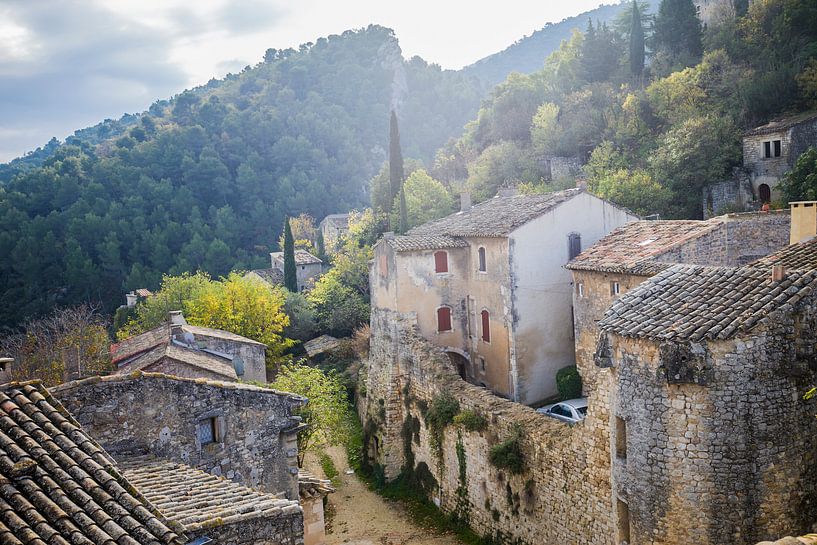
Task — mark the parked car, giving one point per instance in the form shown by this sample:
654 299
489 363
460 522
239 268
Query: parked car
570 411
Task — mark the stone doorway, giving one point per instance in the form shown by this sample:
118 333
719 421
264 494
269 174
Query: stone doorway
460 363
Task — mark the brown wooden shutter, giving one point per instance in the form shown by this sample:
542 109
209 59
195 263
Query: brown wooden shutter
441 262
486 326
443 319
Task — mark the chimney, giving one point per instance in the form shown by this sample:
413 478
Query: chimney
130 299
803 221
465 201
510 191
177 320
778 272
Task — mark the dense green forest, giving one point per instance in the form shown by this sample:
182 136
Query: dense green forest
653 133
205 180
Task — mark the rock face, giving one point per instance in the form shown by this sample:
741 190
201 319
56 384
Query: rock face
244 433
708 443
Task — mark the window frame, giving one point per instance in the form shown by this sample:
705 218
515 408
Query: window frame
615 288
767 149
580 290
437 262
482 260
777 148
450 319
485 332
571 237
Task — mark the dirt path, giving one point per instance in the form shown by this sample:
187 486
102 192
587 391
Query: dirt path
361 517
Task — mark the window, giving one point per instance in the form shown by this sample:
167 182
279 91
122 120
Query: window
574 245
623 511
615 288
621 437
765 193
777 148
486 326
444 319
207 431
441 262
580 289
482 264
767 150
482 364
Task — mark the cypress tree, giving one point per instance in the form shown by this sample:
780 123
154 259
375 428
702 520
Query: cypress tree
290 270
678 31
395 161
636 43
403 211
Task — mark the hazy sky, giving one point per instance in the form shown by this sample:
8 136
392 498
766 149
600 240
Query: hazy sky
68 64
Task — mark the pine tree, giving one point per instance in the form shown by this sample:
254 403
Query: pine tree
636 43
678 32
395 161
290 270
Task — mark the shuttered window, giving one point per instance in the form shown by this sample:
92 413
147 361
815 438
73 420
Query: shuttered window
443 319
482 265
486 326
574 245
441 262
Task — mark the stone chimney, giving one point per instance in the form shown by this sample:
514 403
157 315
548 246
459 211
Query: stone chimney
803 221
465 201
778 272
177 320
508 191
130 299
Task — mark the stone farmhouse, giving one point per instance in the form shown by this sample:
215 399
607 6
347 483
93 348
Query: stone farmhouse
180 349
308 267
333 228
638 250
769 151
488 285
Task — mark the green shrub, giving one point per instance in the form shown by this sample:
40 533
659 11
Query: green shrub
442 410
471 420
569 382
508 454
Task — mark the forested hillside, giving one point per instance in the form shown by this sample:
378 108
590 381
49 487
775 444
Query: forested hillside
527 54
656 107
204 181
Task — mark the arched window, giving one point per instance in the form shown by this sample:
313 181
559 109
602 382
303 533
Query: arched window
444 319
482 265
441 262
486 326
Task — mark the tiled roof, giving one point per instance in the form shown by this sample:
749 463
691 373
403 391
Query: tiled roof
496 217
696 303
309 486
412 243
338 220
219 334
57 485
271 276
633 247
143 292
802 255
302 257
196 499
782 124
140 343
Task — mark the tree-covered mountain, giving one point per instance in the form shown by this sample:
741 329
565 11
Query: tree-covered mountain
527 55
205 180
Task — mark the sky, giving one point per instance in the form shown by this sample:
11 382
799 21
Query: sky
69 64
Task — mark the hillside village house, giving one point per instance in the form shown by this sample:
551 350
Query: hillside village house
308 267
638 250
769 152
333 228
488 284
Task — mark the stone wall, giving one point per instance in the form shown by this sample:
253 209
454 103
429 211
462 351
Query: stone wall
562 496
285 529
253 355
157 414
735 195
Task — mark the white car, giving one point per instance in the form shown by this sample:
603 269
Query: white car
570 411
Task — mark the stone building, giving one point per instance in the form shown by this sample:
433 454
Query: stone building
58 486
634 252
180 349
308 267
333 228
711 441
313 491
478 281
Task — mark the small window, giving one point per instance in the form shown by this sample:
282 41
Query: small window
580 289
615 288
482 364
778 148
621 437
482 265
486 326
207 431
303 267
441 262
767 150
574 245
444 319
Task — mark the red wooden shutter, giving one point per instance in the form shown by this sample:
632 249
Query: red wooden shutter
443 319
441 262
486 326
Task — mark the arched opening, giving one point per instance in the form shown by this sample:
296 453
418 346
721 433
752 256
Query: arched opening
765 193
460 363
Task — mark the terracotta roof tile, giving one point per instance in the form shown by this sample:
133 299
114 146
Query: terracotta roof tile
697 303
802 255
302 257
783 123
271 276
412 243
58 486
310 486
